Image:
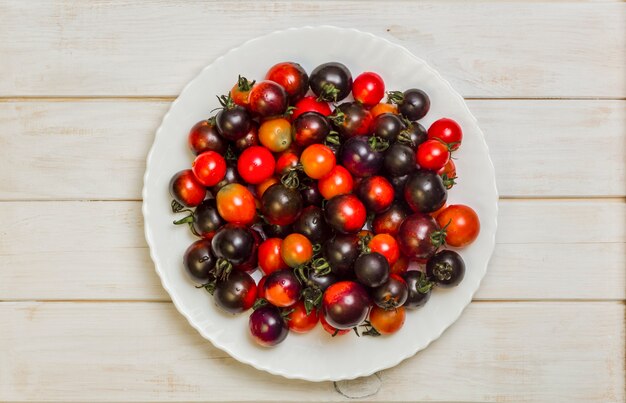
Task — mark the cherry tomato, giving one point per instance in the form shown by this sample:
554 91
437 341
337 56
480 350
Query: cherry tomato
310 104
345 213
186 189
310 128
260 287
268 98
381 108
250 139
345 304
281 205
263 186
240 93
292 77
236 204
204 136
236 293
432 155
286 162
299 321
448 131
389 221
209 168
317 161
461 223
387 321
387 246
356 120
270 258
337 182
391 294
332 330
331 81
376 193
368 88
275 134
267 326
448 174
256 164
282 288
436 213
296 249
419 236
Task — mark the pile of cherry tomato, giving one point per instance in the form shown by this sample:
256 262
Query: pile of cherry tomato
332 199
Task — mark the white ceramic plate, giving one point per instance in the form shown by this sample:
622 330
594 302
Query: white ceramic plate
316 356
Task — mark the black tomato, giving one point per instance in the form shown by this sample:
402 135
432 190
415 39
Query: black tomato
419 288
234 243
371 269
331 81
352 119
446 268
425 191
250 139
186 188
231 176
267 326
388 126
233 122
281 204
312 224
399 160
236 293
268 98
419 236
360 158
276 231
206 219
251 263
414 135
398 183
413 104
204 136
310 128
311 195
345 304
199 261
322 282
389 221
341 252
345 213
376 193
392 294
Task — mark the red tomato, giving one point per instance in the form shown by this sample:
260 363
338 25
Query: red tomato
296 250
260 288
286 162
461 223
387 246
381 108
240 93
317 161
448 131
186 189
209 168
387 321
310 104
270 258
330 329
256 164
432 155
299 321
345 213
292 77
376 193
236 204
436 213
337 182
448 174
275 134
204 136
368 88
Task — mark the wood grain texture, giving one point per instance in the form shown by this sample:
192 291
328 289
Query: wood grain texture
68 150
143 352
545 249
486 49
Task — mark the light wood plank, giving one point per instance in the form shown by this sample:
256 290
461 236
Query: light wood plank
68 150
488 49
545 250
501 352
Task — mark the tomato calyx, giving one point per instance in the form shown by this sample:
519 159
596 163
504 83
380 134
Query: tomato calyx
289 111
338 117
443 271
329 93
448 182
312 298
364 244
209 286
243 84
223 268
178 207
369 329
226 102
260 302
424 285
438 238
395 97
291 178
378 144
333 138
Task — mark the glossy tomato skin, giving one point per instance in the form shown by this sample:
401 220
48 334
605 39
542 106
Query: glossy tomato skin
330 329
419 289
206 219
281 205
312 224
186 189
275 134
230 176
270 259
267 326
236 204
389 221
311 195
338 181
345 213
368 88
448 131
446 268
236 293
321 281
286 162
292 77
276 231
317 161
268 98
462 225
310 128
310 104
260 189
415 104
234 243
360 158
250 264
296 250
199 261
383 107
250 139
432 155
331 81
371 269
399 160
398 183
388 126
376 193
387 321
345 304
392 294
204 136
414 135
357 121
282 288
341 252
209 168
298 320
387 246
414 236
233 122
425 192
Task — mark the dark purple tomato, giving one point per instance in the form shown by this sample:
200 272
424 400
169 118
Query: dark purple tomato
331 82
388 126
282 288
351 119
425 191
310 128
312 224
281 204
419 288
267 326
233 122
419 236
376 193
204 136
360 158
389 221
311 195
413 104
252 262
321 281
446 268
392 294
399 160
199 261
414 135
345 213
236 293
268 98
186 189
234 243
341 252
371 269
276 231
250 139
345 304
231 176
206 219
398 183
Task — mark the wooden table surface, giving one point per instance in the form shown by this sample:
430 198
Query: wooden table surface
85 84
